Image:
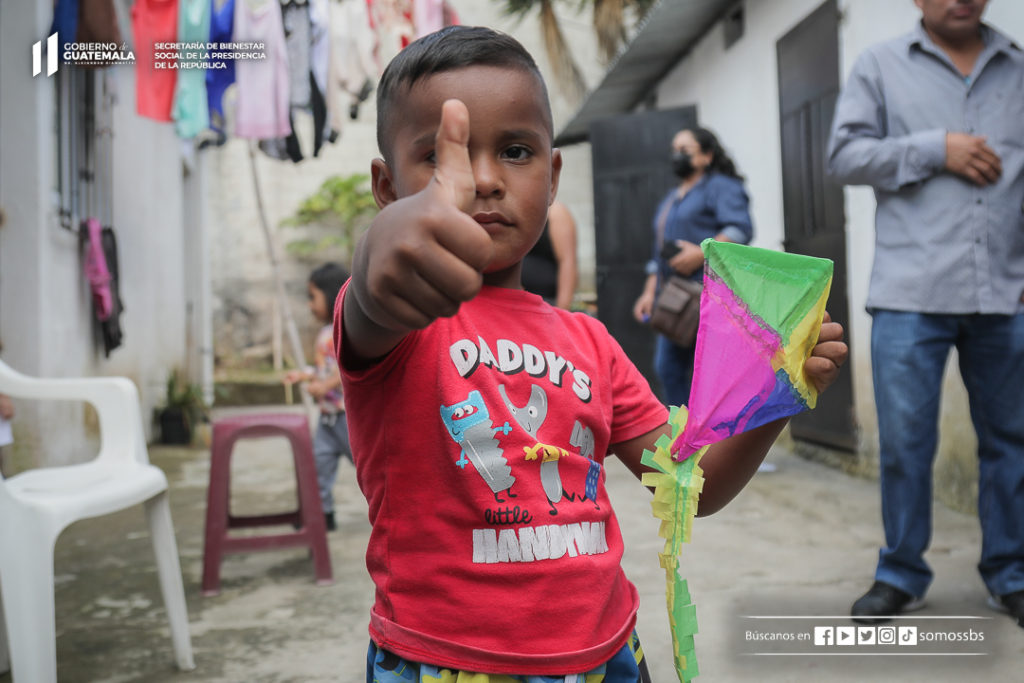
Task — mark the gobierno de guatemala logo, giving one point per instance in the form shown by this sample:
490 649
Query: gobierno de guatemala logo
84 54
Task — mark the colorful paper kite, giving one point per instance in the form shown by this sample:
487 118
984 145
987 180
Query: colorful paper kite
760 314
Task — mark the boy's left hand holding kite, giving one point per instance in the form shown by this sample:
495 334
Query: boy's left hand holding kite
728 465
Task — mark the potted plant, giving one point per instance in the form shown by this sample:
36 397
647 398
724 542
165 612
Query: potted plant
183 409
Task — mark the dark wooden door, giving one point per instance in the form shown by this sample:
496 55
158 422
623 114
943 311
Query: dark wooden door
631 171
808 61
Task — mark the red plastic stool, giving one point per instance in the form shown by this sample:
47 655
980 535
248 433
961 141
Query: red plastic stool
308 518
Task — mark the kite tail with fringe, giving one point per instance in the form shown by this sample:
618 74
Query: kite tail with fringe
677 487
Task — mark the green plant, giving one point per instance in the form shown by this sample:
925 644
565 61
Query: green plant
185 396
184 407
339 211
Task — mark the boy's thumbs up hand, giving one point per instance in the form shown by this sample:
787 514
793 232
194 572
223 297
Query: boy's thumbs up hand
453 174
424 255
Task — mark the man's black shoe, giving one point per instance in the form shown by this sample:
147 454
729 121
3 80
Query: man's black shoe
1012 604
882 602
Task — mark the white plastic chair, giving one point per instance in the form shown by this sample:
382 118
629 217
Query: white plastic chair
35 506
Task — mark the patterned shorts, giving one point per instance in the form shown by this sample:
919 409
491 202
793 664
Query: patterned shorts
627 666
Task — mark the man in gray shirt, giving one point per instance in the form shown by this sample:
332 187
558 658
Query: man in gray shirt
934 122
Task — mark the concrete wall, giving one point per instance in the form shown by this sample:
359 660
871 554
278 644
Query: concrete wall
736 91
46 325
242 283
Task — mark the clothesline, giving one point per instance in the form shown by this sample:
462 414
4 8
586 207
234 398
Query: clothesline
299 55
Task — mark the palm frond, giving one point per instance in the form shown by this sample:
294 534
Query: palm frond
609 26
566 71
520 8
641 7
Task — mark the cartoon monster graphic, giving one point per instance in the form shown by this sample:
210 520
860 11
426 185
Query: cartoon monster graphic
469 425
530 417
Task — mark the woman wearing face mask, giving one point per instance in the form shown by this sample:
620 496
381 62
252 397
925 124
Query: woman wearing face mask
709 202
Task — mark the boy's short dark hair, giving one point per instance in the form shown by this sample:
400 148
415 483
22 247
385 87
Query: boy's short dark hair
329 278
453 47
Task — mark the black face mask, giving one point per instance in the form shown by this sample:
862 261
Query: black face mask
682 164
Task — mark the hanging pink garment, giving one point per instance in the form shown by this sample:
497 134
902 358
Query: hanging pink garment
451 17
262 84
96 270
154 21
427 16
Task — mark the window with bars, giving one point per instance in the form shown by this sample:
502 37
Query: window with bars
83 154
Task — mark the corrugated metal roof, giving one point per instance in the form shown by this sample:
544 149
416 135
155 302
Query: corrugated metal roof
669 31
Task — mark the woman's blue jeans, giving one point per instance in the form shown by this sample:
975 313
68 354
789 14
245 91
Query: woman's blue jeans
909 353
674 366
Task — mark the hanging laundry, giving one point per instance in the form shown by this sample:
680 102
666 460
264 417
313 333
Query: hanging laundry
96 271
97 23
427 16
318 108
320 42
451 17
65 23
110 328
222 23
306 95
191 108
319 63
320 56
86 21
354 67
371 18
275 148
289 147
403 24
154 21
392 20
262 84
295 18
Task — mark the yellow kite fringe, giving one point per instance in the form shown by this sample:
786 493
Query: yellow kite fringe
677 487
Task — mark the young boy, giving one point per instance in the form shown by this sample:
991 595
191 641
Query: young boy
481 414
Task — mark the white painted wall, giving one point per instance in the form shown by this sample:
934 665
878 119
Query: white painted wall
736 91
46 327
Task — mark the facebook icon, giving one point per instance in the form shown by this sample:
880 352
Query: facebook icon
824 635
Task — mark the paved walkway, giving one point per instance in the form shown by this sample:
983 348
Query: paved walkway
799 542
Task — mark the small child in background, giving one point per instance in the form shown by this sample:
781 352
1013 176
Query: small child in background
323 382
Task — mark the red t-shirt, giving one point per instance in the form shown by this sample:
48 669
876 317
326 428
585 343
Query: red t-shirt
478 444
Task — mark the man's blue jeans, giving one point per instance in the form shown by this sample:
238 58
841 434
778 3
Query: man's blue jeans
909 352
